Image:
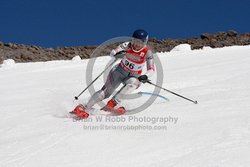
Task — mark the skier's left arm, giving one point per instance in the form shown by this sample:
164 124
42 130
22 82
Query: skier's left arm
120 50
150 64
150 67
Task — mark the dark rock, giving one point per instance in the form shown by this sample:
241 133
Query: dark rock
61 52
35 47
232 33
8 44
221 36
206 36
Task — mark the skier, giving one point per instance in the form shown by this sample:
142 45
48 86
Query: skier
133 56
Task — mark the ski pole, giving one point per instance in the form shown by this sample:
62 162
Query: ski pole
195 102
76 97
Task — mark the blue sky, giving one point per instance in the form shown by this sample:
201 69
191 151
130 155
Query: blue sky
58 23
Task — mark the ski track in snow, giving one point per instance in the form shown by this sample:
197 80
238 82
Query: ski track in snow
216 132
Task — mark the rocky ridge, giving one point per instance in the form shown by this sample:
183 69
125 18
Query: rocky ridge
25 53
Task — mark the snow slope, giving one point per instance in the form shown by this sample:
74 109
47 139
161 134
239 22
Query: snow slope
216 132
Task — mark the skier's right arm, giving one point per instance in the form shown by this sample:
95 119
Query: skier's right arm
120 50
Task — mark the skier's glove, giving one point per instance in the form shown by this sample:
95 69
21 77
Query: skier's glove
143 78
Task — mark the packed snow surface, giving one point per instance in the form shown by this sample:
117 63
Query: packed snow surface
35 130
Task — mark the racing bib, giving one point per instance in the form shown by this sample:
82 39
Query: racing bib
134 61
132 67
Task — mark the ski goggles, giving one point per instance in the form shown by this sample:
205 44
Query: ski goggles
140 42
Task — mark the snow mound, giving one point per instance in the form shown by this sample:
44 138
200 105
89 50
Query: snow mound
8 63
182 47
207 48
76 58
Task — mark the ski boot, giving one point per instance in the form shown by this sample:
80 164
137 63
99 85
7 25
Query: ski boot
80 112
113 107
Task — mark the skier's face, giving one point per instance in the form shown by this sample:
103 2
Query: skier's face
137 44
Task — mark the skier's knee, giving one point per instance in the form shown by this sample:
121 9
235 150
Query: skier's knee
129 88
133 83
